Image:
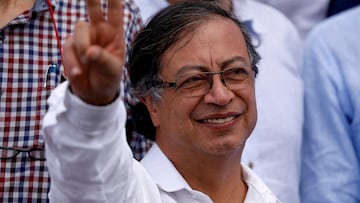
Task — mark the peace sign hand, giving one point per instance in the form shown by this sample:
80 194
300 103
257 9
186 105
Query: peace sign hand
94 55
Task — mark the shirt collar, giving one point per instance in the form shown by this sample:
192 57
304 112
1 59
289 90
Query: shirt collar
162 171
166 177
41 5
257 190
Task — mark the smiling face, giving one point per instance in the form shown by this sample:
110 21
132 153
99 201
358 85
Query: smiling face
219 122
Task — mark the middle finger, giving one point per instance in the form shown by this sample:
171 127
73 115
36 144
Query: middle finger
115 13
94 10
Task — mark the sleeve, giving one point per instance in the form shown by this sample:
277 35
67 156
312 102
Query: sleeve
330 169
87 153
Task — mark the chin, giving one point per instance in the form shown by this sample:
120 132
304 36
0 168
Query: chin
227 148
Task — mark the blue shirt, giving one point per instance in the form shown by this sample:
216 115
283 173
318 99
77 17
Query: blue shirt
331 140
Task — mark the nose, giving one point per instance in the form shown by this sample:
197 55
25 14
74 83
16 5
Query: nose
218 93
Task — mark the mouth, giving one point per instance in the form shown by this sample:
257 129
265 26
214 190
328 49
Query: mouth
218 120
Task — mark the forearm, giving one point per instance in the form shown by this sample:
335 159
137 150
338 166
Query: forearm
85 145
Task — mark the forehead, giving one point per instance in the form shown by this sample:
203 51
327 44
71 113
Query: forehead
209 44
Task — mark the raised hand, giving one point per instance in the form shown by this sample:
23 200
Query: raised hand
94 55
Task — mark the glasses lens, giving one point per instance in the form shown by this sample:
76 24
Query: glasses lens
198 83
37 154
234 77
195 84
7 153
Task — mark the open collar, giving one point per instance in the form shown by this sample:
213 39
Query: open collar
162 171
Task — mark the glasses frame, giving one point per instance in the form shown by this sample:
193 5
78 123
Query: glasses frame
174 85
18 150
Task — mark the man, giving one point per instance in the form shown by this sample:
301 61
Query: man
198 86
331 142
30 68
279 94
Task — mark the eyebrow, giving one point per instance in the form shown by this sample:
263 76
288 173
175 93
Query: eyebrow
224 64
188 68
232 60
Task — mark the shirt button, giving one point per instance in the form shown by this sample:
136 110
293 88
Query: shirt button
251 165
2 37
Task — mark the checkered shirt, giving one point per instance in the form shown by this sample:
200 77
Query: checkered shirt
30 68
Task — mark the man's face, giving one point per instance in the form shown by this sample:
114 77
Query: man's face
220 121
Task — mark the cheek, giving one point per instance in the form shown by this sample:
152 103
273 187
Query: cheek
252 100
250 93
252 109
248 97
177 109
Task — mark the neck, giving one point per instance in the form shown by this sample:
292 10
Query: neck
218 177
9 9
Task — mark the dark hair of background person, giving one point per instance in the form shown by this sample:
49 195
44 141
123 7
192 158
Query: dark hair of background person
166 28
337 6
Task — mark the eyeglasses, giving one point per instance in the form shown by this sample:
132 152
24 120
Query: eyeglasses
12 152
195 84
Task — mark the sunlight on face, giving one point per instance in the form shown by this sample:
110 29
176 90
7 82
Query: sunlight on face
219 122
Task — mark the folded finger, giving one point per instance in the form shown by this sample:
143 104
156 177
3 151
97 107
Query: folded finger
71 62
82 40
107 64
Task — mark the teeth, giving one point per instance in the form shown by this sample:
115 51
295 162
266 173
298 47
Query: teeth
219 120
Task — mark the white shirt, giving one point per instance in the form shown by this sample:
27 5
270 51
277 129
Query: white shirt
89 159
273 149
305 14
169 180
148 8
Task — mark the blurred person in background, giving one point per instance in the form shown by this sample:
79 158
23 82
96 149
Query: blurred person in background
331 141
305 14
31 35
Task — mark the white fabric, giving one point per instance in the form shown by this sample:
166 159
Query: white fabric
89 160
273 149
305 14
149 7
170 181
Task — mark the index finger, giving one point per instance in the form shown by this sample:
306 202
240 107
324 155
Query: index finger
115 13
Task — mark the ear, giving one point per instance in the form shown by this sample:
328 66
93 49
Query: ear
152 108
